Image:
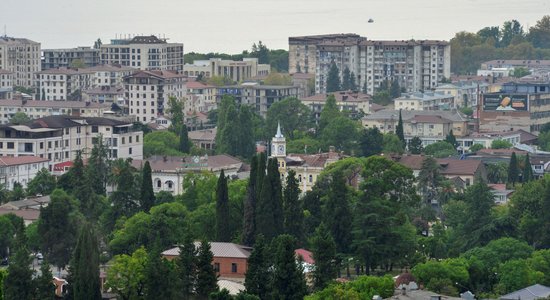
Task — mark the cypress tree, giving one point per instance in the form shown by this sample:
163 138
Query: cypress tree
346 79
352 82
257 275
260 173
206 276
395 90
223 232
160 277
399 130
147 194
333 79
249 222
184 140
324 254
44 287
246 142
97 169
18 283
293 212
451 139
329 112
85 270
513 169
186 266
527 169
269 215
338 213
288 281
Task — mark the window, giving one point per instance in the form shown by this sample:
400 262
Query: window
95 129
234 267
123 140
49 145
130 150
310 178
159 183
10 145
130 139
137 138
78 129
216 267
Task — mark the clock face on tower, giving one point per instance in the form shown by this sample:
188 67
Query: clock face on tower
281 149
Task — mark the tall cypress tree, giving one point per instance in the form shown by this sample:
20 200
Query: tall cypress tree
258 272
338 213
246 130
513 169
324 254
527 169
186 266
451 139
147 194
260 173
160 277
223 232
206 276
85 266
399 129
44 287
288 281
184 140
18 283
97 168
333 79
346 79
293 212
269 214
249 222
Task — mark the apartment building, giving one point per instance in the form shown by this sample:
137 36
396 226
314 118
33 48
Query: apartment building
21 57
64 84
515 63
354 104
201 97
237 71
110 75
465 93
260 97
36 109
64 58
58 138
518 105
144 53
6 84
148 93
424 101
20 169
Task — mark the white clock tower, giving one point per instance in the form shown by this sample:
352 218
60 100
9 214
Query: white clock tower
278 144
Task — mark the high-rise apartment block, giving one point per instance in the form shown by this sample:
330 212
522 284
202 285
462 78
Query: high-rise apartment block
416 65
21 57
66 58
144 53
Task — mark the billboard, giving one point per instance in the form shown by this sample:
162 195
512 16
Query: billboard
505 102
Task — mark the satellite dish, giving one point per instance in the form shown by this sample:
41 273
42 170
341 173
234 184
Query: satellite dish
371 21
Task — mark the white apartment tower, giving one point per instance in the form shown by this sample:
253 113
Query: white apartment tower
144 53
21 57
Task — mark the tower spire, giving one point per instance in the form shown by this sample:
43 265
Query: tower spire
279 134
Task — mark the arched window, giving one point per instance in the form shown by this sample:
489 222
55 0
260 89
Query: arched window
300 178
158 183
169 184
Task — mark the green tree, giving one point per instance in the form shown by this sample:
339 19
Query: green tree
395 89
97 169
186 267
146 193
501 144
337 212
490 35
352 82
58 228
513 169
20 118
275 78
342 133
44 287
520 72
392 144
539 35
176 111
333 79
399 130
18 282
292 206
206 276
222 210
249 224
185 143
160 277
258 272
346 79
85 265
510 30
291 114
329 112
126 275
288 281
476 147
269 212
371 142
247 145
478 228
17 192
527 174
382 98
124 200
451 139
440 149
43 183
429 180
497 172
415 145
324 254
161 143
261 52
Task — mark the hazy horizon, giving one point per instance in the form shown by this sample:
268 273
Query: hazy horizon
232 26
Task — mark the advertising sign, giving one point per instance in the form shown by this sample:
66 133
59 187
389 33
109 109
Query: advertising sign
505 102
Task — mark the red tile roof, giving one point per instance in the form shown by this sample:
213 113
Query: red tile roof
20 160
306 255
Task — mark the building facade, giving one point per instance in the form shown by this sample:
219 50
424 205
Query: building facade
424 101
144 53
148 93
63 84
465 93
20 169
235 70
21 57
6 84
64 58
354 104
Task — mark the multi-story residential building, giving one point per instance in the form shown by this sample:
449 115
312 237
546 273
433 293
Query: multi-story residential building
67 58
21 57
6 84
235 70
144 53
353 103
302 50
465 93
424 101
110 75
531 64
58 138
35 109
260 97
518 105
201 97
64 84
148 93
20 169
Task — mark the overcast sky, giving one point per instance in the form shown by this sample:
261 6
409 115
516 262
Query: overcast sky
233 25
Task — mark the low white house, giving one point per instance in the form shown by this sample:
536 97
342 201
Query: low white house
21 169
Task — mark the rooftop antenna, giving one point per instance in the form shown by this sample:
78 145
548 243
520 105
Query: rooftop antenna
5 32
